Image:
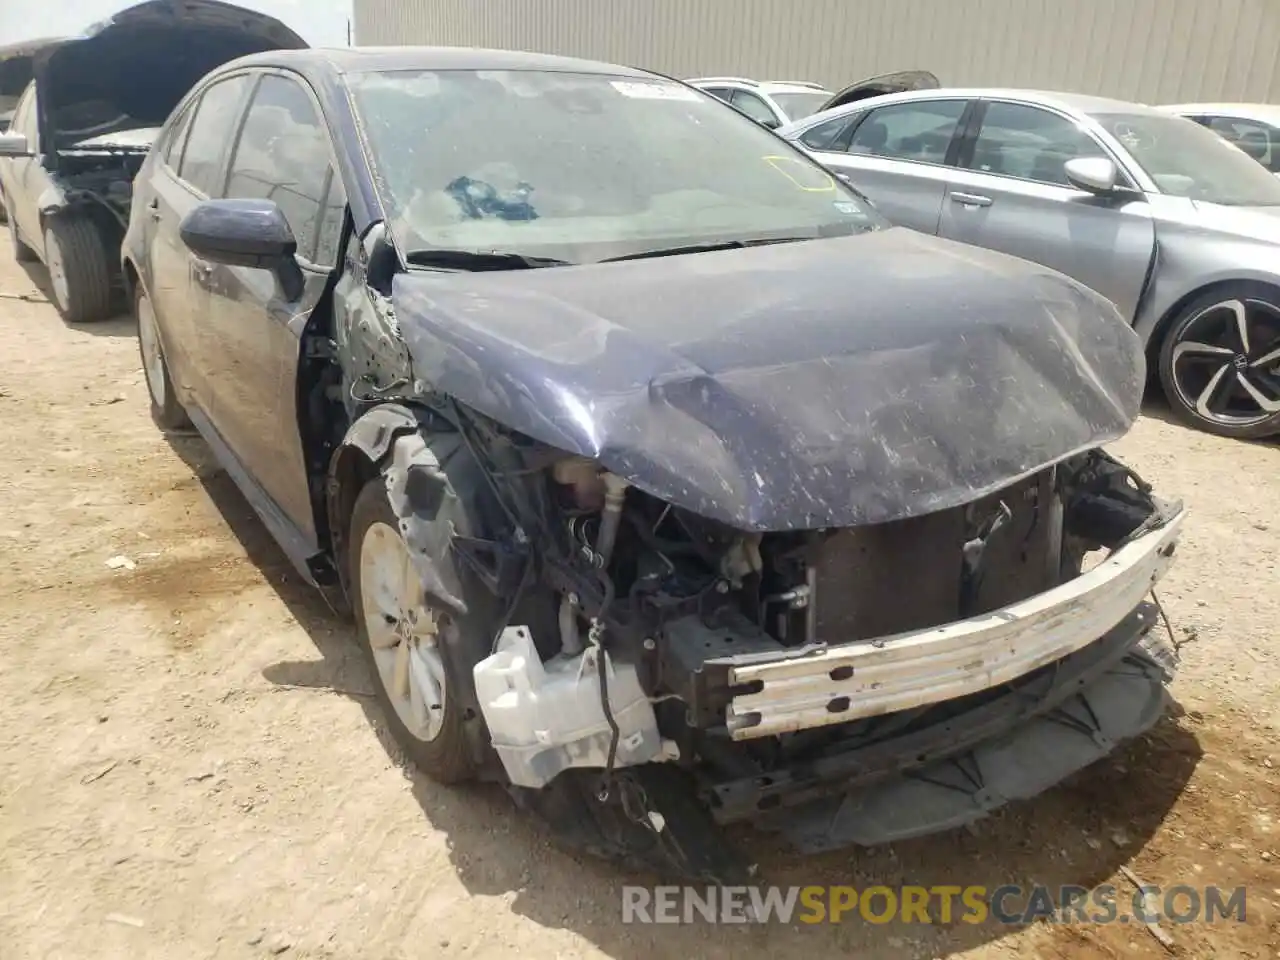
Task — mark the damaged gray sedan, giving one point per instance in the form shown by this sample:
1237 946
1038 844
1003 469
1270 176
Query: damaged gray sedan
668 486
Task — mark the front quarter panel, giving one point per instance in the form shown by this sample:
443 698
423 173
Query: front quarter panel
1191 257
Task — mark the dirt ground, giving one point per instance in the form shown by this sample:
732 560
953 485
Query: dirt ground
191 764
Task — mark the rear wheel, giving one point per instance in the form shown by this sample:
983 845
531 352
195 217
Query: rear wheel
167 412
79 269
1220 361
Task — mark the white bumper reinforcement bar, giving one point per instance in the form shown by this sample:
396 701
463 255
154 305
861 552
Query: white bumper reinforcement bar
873 677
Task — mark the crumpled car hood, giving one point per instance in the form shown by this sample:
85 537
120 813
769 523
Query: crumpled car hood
793 386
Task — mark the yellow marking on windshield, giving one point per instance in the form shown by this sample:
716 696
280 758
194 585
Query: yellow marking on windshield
777 161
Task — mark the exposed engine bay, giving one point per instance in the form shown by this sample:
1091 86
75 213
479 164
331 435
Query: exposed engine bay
655 659
100 180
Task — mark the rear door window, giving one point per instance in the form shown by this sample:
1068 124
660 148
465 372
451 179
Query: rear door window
283 155
753 107
832 136
176 137
919 130
212 130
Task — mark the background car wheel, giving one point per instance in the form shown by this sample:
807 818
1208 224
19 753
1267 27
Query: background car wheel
167 412
79 270
415 652
1220 361
21 252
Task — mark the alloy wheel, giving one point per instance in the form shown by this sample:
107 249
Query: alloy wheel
1226 363
403 632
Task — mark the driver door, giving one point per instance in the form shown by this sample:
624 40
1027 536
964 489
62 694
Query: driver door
1012 195
252 326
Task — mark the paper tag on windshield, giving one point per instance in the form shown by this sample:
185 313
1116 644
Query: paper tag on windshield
652 91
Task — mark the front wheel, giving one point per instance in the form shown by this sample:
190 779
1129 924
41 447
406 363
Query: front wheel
410 644
1220 362
79 269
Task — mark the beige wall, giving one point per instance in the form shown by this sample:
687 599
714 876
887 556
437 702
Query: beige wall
1150 50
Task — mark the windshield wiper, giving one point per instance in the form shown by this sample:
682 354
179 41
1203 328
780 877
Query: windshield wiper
702 248
473 260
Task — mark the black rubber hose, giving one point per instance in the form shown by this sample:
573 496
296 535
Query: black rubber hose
615 732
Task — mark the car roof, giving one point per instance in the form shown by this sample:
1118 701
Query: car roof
353 60
1068 102
1267 112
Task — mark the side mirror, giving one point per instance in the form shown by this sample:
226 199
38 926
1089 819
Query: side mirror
1094 174
14 145
771 124
245 233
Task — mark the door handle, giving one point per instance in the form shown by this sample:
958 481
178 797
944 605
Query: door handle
971 199
153 208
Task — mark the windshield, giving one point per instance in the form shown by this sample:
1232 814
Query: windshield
584 167
802 104
1186 160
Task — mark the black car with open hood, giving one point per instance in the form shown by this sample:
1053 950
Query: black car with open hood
897 82
88 115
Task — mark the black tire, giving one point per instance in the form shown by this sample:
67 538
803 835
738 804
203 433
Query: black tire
166 411
451 756
21 252
78 245
1265 299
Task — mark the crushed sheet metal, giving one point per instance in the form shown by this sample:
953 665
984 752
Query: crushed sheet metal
418 488
371 352
1121 704
953 660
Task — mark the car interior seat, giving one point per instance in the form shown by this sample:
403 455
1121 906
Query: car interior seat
872 139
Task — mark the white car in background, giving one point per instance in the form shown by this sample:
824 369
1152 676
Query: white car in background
774 103
1253 127
770 103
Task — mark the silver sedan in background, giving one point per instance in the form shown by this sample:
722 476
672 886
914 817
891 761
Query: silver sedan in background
1178 228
